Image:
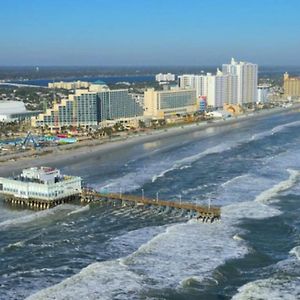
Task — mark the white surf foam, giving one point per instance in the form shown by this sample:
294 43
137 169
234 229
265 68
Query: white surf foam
79 210
296 251
35 216
284 185
274 130
271 288
106 280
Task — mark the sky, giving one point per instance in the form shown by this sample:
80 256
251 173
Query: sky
148 32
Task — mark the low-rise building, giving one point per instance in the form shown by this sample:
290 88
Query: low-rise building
165 77
69 85
41 183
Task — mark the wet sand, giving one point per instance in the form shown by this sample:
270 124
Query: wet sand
79 154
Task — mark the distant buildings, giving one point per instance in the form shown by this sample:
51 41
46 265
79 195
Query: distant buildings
291 86
164 77
90 107
69 85
167 103
263 92
235 84
11 111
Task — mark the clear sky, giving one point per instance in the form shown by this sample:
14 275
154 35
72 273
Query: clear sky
149 32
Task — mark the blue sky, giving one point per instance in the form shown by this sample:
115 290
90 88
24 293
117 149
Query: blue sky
149 32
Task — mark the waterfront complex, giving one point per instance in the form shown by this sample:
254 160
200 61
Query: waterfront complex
41 183
167 103
291 86
90 107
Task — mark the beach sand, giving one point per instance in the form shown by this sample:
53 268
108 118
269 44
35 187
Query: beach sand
68 156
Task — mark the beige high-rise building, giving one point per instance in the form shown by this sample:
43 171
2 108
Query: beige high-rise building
291 85
164 104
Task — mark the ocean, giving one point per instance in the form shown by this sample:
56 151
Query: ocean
95 252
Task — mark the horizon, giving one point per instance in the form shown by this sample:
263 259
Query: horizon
148 33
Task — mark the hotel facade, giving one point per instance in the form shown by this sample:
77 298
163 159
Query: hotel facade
90 108
291 86
167 103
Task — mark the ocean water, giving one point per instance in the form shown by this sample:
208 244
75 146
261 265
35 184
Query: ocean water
251 169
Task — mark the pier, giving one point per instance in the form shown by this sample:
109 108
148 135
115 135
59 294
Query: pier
38 204
204 213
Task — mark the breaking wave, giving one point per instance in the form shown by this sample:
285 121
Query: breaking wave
284 185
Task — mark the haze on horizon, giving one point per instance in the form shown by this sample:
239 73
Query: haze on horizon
148 32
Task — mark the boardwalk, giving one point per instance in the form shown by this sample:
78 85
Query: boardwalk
194 210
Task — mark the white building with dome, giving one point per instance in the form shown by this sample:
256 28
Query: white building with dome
15 111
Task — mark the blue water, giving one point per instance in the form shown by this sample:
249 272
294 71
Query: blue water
251 169
106 79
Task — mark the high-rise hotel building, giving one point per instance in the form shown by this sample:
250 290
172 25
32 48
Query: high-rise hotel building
168 103
217 89
90 107
246 80
291 86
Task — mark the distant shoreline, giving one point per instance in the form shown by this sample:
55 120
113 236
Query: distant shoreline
95 146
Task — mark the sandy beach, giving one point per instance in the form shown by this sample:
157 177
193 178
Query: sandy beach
67 156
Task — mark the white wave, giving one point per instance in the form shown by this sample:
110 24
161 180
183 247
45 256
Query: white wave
237 237
274 130
296 251
271 288
79 210
233 180
105 280
183 251
284 126
250 209
35 216
284 185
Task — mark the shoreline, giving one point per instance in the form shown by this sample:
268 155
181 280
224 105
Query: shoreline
102 147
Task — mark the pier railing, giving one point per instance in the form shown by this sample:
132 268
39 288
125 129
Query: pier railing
210 212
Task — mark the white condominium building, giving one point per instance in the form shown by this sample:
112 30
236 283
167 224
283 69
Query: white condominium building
197 82
219 89
165 77
246 80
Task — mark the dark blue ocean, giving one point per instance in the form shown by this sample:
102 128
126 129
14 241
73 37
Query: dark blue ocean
251 169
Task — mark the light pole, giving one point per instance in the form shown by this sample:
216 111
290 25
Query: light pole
120 192
143 194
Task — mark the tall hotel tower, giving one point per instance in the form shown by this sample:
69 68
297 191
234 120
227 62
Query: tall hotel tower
246 80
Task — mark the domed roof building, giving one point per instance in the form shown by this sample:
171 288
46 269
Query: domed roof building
14 111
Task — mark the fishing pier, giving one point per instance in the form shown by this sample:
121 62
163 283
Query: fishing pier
204 213
44 188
